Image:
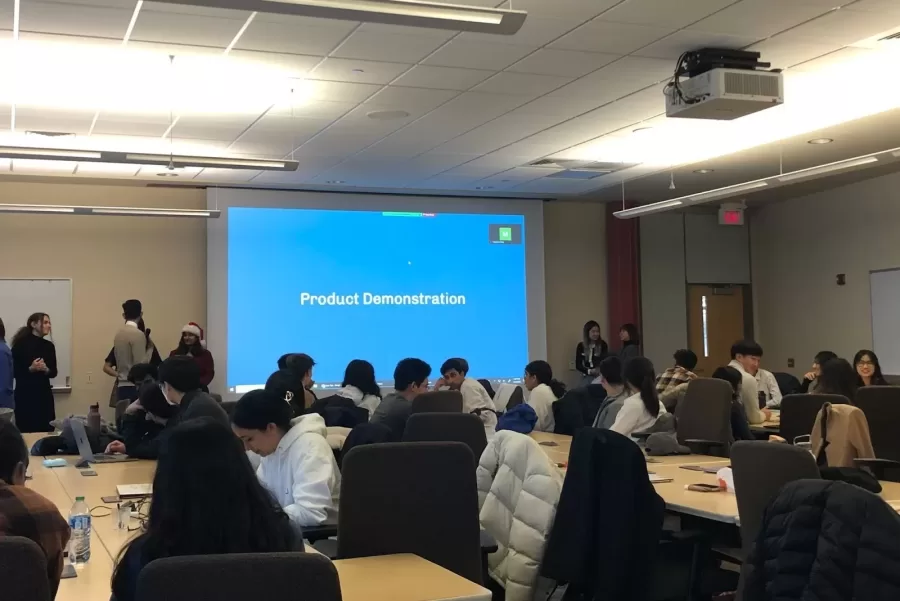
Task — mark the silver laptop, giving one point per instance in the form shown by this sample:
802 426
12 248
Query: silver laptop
84 447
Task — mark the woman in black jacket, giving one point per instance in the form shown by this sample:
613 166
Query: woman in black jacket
590 352
34 365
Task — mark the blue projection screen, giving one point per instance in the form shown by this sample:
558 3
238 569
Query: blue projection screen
379 285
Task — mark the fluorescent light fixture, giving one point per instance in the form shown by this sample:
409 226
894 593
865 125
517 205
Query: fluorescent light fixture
829 168
121 211
726 191
108 156
414 13
649 209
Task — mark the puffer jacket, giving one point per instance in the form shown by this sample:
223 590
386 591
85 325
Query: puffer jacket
828 541
518 490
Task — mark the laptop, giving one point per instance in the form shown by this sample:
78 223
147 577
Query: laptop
134 491
84 447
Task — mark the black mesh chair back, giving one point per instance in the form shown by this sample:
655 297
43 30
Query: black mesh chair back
23 570
787 383
881 404
437 401
447 427
412 497
240 576
516 398
799 411
704 416
761 469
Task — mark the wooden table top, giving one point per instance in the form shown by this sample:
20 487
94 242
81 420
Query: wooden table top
402 577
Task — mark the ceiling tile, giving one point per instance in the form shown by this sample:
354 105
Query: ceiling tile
6 16
416 101
428 32
673 46
841 27
761 18
42 119
663 13
205 127
567 63
124 4
296 35
612 38
357 71
616 80
340 143
187 9
536 32
339 91
522 83
293 65
836 58
73 20
500 132
184 29
442 78
580 9
888 8
272 136
226 175
784 52
312 109
117 127
393 48
477 55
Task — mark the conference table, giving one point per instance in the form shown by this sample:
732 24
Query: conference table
716 506
402 577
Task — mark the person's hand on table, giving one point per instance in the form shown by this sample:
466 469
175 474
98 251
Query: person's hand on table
767 413
116 446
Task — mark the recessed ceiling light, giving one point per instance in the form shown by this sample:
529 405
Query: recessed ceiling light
387 115
335 181
703 171
820 141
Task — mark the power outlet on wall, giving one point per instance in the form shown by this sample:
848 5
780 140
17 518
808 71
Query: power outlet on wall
791 362
90 377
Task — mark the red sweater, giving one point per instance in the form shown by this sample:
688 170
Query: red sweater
205 362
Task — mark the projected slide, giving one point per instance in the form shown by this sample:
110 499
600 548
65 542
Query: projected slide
380 286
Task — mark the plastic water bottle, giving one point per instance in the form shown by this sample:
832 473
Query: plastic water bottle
80 522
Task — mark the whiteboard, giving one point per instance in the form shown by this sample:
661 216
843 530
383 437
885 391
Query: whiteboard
885 292
21 298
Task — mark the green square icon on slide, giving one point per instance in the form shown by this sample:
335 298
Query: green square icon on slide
504 234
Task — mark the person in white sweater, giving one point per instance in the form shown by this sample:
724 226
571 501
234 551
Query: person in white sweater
475 398
360 386
642 408
545 390
745 356
296 463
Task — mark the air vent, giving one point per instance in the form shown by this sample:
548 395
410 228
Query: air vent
578 174
751 84
891 36
48 134
598 167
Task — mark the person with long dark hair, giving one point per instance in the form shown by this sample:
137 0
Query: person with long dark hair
590 352
838 377
34 365
7 394
811 378
206 501
545 390
359 385
192 345
868 369
631 342
640 410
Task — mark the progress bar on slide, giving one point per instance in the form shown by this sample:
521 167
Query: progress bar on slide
405 214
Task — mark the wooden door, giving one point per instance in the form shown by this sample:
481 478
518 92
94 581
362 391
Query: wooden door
715 322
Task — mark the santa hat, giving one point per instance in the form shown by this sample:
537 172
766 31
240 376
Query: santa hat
196 330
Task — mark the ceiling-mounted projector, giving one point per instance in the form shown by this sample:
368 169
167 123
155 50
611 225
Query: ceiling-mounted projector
722 85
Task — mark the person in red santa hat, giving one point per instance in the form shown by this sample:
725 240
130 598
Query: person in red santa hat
193 344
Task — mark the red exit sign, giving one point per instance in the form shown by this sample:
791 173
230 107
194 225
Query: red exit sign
731 217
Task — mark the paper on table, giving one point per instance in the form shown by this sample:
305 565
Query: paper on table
657 479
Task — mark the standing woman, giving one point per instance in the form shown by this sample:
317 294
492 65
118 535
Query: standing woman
868 370
34 364
192 345
631 342
590 352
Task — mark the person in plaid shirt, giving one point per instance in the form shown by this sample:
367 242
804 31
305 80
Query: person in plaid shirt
670 384
23 512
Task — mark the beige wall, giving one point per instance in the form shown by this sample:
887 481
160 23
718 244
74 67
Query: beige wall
575 278
161 261
799 246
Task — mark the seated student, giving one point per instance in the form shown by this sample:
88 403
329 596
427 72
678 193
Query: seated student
611 379
359 386
297 464
868 369
301 365
811 379
745 356
838 377
640 410
740 427
670 384
475 397
289 388
206 501
25 513
179 380
545 390
410 380
767 387
143 422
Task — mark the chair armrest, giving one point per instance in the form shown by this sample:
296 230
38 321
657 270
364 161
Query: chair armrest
878 467
320 532
488 544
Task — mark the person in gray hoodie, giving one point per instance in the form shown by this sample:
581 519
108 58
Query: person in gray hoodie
410 380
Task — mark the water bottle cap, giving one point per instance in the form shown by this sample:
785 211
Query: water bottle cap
79 499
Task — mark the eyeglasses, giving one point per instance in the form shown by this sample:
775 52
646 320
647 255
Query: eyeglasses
866 363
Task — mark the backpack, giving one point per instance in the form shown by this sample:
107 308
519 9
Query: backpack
520 418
